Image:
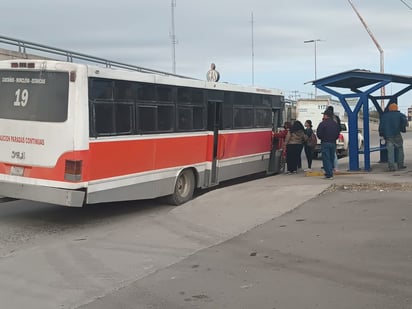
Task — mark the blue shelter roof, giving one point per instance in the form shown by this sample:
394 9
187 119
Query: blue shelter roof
355 79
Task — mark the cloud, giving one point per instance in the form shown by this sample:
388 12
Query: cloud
138 32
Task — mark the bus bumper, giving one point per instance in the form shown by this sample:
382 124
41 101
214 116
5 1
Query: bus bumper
59 196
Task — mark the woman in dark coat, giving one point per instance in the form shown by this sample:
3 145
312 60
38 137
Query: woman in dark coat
309 149
294 145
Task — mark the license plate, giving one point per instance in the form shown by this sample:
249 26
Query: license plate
17 171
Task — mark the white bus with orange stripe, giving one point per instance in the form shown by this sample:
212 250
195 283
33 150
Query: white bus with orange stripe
73 134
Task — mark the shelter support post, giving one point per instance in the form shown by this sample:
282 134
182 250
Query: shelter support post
353 135
366 137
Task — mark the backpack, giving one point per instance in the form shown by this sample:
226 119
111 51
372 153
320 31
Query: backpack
312 140
403 124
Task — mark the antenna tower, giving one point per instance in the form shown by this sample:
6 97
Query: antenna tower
173 37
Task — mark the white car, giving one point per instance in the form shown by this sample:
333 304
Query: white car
342 143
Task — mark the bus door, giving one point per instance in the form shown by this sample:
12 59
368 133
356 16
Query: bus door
275 153
214 123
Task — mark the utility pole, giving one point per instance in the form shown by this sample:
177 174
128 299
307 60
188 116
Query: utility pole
173 37
377 45
253 56
295 95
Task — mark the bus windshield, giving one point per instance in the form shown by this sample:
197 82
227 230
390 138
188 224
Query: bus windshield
34 95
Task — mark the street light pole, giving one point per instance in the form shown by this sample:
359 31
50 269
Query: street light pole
314 43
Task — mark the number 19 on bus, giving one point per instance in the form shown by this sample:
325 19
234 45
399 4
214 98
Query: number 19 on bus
22 96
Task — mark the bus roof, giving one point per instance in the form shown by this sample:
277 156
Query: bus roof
175 80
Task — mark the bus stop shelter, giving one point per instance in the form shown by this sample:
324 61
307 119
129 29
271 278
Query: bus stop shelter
363 87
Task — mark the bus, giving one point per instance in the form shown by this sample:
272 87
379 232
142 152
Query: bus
73 134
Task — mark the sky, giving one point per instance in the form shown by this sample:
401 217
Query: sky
268 52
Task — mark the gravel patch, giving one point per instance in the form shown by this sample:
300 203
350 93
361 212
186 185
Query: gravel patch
369 187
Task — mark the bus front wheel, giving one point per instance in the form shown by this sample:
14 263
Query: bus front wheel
184 188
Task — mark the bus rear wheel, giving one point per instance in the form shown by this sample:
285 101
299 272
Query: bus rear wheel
184 188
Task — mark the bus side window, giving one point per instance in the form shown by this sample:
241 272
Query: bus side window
227 111
102 89
124 118
198 96
263 117
198 117
103 118
266 101
165 118
244 99
243 117
184 95
125 91
184 118
164 93
146 92
191 118
227 117
147 118
109 118
155 118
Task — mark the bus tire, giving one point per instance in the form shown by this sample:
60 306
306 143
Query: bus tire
184 188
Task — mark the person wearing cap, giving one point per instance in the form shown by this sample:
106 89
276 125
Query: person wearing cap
328 131
337 119
392 123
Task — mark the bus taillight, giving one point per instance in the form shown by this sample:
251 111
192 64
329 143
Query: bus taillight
73 170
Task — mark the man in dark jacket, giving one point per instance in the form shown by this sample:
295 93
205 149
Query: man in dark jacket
337 119
392 123
328 131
